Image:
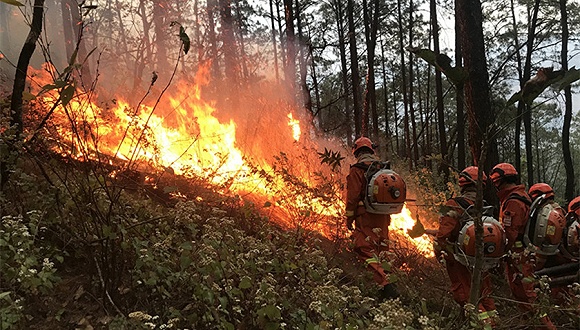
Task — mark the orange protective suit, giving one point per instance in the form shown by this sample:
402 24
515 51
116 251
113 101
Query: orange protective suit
371 231
514 213
459 275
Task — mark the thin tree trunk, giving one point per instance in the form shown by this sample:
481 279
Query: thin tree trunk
415 155
527 112
355 77
303 62
274 43
439 95
459 104
290 71
344 69
520 107
403 89
16 120
568 164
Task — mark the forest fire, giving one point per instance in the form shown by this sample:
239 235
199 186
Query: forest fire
183 134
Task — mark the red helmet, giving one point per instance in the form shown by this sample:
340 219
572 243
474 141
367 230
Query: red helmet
501 171
363 142
540 189
574 206
469 176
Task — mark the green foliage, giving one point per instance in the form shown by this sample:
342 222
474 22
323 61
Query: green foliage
25 265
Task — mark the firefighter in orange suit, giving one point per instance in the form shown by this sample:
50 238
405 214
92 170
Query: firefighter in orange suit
514 213
450 224
370 231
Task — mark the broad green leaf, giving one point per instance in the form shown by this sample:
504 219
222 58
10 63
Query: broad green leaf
4 294
67 94
185 39
12 2
245 283
185 260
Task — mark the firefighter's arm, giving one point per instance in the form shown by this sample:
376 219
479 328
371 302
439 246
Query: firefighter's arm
448 222
354 183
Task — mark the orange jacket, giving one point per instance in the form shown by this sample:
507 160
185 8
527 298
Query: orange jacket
449 223
514 213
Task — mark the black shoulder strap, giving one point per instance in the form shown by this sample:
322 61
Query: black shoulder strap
520 198
462 201
361 166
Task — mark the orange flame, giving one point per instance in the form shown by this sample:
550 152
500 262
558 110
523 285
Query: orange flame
295 125
402 222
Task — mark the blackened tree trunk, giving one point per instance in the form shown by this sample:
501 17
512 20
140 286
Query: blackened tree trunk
160 24
439 94
354 70
479 110
414 157
403 89
290 65
520 107
527 109
568 164
371 13
304 53
230 50
459 104
212 38
342 40
18 88
274 43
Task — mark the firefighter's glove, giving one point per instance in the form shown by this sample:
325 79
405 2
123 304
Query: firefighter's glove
350 223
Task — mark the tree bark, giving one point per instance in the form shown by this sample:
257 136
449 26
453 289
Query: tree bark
460 100
342 39
480 113
406 134
568 163
527 109
439 95
16 120
290 71
274 43
355 77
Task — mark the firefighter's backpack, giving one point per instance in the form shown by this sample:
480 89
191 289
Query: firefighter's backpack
494 237
545 226
385 191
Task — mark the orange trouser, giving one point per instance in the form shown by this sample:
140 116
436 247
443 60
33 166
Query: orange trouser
460 278
517 270
368 246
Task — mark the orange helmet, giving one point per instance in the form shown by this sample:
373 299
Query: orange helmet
501 171
540 189
363 142
574 206
469 176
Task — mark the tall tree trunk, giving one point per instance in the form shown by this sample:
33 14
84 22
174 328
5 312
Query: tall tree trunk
355 77
212 39
527 112
242 58
342 40
439 95
403 89
371 15
568 164
415 155
480 113
16 121
274 43
388 137
160 24
280 19
459 104
520 107
290 71
230 52
303 61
